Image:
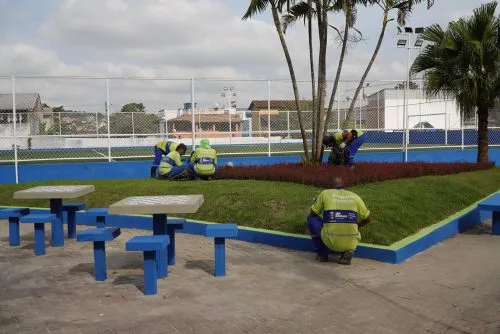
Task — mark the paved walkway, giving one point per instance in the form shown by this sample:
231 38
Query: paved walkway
452 288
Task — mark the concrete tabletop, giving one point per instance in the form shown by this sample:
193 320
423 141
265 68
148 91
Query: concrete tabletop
48 192
157 204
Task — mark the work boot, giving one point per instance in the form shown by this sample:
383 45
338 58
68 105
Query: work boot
153 172
345 258
321 258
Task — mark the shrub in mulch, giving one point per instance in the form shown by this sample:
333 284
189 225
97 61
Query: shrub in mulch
322 175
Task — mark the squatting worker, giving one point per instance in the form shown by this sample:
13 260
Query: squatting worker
161 148
350 138
203 161
171 165
334 220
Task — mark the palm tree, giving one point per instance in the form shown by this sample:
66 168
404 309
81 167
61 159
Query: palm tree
306 11
403 8
464 61
259 6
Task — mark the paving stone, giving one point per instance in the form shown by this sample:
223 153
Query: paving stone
451 288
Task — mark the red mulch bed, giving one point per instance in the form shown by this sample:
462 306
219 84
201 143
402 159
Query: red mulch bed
364 172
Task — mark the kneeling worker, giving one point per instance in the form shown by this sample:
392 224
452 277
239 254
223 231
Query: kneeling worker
351 139
171 165
161 148
203 161
334 220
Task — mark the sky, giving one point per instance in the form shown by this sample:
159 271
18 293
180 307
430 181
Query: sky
179 40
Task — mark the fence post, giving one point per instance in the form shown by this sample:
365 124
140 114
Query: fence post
462 126
445 121
14 115
96 124
288 124
193 129
133 129
107 115
269 118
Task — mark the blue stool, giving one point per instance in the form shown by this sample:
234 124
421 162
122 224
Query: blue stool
71 209
150 245
13 215
220 232
99 236
100 215
39 221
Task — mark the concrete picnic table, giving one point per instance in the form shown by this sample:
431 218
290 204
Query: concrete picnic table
159 207
55 194
492 204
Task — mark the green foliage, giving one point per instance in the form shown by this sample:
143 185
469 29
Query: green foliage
138 123
133 107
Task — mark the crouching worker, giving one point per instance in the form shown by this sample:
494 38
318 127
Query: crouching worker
171 166
161 148
350 139
334 220
203 161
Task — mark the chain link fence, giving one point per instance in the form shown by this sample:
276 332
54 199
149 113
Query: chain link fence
111 119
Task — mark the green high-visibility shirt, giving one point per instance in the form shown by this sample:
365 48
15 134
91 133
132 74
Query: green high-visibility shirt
172 159
167 146
339 136
341 211
205 160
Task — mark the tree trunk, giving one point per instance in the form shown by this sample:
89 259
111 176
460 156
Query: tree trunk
277 24
482 134
323 40
337 78
368 68
313 78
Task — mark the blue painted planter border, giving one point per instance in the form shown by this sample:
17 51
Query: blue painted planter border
395 254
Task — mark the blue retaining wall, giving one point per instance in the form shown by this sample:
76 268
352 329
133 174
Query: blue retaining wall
140 169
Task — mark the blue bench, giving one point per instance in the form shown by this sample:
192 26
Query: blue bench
13 215
71 209
100 214
39 221
220 232
150 245
99 236
492 204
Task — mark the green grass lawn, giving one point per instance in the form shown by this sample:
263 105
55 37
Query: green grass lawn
399 208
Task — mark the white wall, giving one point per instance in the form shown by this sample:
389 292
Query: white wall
420 109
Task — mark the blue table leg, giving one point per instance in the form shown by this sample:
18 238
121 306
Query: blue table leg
160 228
171 245
14 236
57 225
101 221
100 261
220 256
495 219
71 224
150 273
39 239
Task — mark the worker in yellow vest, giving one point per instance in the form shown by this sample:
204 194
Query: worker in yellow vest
351 139
334 220
203 161
161 148
171 166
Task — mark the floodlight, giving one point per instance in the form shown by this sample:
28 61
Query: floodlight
401 42
419 42
399 30
408 29
419 30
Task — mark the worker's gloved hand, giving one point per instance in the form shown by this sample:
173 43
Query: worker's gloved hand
342 145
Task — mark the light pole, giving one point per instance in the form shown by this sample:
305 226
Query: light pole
405 41
229 93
